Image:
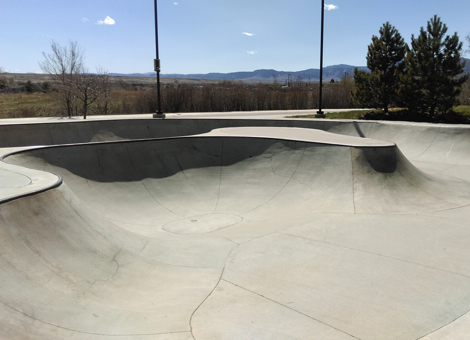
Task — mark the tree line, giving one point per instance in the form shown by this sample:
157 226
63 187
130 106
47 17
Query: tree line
425 78
238 96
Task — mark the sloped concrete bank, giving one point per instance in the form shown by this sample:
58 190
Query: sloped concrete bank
237 233
249 232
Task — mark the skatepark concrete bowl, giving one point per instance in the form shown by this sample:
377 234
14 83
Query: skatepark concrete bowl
236 230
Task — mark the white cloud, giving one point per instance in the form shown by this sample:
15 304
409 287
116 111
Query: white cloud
175 3
85 19
248 34
251 52
330 7
107 21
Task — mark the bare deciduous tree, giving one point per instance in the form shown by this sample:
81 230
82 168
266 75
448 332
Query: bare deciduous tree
3 79
90 88
63 64
102 104
468 42
73 82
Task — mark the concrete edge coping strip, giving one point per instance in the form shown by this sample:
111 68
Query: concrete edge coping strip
39 181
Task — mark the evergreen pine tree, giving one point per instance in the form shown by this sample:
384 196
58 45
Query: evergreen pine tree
362 94
384 59
29 87
434 71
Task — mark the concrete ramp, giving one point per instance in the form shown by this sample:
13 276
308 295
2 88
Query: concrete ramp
239 233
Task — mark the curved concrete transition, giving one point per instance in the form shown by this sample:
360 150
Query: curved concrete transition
240 233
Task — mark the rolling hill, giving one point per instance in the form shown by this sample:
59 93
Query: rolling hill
335 72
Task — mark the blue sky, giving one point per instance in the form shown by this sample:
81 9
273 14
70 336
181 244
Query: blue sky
202 36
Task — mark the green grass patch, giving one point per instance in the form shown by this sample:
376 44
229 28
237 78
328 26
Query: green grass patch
353 114
459 115
463 110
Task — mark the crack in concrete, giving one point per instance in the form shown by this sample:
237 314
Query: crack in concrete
118 266
205 152
210 293
145 245
99 160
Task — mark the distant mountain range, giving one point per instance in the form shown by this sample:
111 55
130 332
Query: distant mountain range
335 72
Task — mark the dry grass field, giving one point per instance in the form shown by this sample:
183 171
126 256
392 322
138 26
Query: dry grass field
130 95
125 91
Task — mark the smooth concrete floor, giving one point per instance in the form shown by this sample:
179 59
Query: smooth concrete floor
349 230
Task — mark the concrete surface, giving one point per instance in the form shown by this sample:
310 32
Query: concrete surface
261 229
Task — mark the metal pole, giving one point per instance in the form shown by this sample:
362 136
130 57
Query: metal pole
159 113
320 114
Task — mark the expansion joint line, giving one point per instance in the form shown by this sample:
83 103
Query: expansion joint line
50 133
430 144
220 174
284 186
447 209
83 332
292 309
447 324
377 254
353 180
41 259
146 188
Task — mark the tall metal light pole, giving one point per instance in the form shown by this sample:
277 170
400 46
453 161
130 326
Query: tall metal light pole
320 113
156 66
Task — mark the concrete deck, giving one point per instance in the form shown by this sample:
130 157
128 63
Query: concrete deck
257 227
